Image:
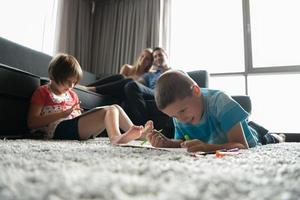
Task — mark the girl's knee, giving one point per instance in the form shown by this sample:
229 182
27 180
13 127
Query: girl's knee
111 108
117 106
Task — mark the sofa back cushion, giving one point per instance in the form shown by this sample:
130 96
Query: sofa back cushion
29 60
21 57
16 88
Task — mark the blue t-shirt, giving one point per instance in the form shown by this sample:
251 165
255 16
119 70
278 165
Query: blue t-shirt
150 78
220 114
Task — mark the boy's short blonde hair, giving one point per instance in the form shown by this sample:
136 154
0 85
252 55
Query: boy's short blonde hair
64 66
171 86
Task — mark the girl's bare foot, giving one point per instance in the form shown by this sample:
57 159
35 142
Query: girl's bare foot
147 128
133 133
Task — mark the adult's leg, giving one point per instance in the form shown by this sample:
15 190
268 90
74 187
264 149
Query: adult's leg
107 79
135 96
115 89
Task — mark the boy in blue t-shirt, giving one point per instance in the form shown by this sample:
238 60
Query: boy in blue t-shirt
210 119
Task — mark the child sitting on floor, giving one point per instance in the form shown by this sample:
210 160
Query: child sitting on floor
209 119
55 109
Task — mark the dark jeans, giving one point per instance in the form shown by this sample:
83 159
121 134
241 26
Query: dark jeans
264 135
112 85
136 95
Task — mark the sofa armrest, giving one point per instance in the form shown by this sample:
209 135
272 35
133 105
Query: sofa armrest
200 77
244 101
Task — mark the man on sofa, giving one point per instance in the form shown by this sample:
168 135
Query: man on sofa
138 92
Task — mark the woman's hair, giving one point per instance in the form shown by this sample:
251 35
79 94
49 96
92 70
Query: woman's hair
136 64
171 86
64 66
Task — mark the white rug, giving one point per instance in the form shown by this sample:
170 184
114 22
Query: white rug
93 169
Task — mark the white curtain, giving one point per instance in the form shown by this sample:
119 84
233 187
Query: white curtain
104 35
74 30
122 28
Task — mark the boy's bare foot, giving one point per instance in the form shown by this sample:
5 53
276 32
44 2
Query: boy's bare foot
279 136
147 128
133 133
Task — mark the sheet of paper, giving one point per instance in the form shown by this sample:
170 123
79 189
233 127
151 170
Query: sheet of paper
138 144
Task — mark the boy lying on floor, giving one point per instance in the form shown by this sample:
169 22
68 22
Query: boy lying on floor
209 118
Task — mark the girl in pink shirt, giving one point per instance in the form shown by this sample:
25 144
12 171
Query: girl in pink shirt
55 109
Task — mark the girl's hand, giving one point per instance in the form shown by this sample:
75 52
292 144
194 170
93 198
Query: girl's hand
195 145
68 111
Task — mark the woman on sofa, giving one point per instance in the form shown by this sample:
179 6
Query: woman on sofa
113 85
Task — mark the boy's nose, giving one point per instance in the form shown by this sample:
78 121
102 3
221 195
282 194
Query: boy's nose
183 119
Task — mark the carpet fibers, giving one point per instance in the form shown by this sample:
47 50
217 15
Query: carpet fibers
94 169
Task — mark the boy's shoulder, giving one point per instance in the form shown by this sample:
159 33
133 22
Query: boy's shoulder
216 99
212 93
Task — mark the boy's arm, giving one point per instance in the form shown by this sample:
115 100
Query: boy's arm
236 136
236 139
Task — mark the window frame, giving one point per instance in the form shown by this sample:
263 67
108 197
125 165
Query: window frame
249 69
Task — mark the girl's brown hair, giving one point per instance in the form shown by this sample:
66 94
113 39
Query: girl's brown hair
64 66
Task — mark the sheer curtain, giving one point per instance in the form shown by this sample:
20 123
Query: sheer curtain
105 34
74 30
122 28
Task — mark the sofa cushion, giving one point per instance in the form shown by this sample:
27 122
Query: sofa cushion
16 88
32 61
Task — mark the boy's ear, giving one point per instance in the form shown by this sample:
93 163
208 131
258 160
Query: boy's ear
196 90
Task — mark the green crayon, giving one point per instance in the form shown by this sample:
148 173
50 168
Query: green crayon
159 132
186 137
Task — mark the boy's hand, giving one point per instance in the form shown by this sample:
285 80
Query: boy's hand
157 139
195 145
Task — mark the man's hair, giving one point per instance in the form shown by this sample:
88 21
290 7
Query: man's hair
64 66
160 49
171 86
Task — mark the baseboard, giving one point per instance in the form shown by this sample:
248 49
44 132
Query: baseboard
292 137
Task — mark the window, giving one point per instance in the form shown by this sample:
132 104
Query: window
237 39
232 85
207 35
30 23
275 32
275 101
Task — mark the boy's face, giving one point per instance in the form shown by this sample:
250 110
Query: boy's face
188 110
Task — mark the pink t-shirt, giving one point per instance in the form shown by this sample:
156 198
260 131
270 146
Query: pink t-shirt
53 103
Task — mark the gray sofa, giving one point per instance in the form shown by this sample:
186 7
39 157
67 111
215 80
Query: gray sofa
22 70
